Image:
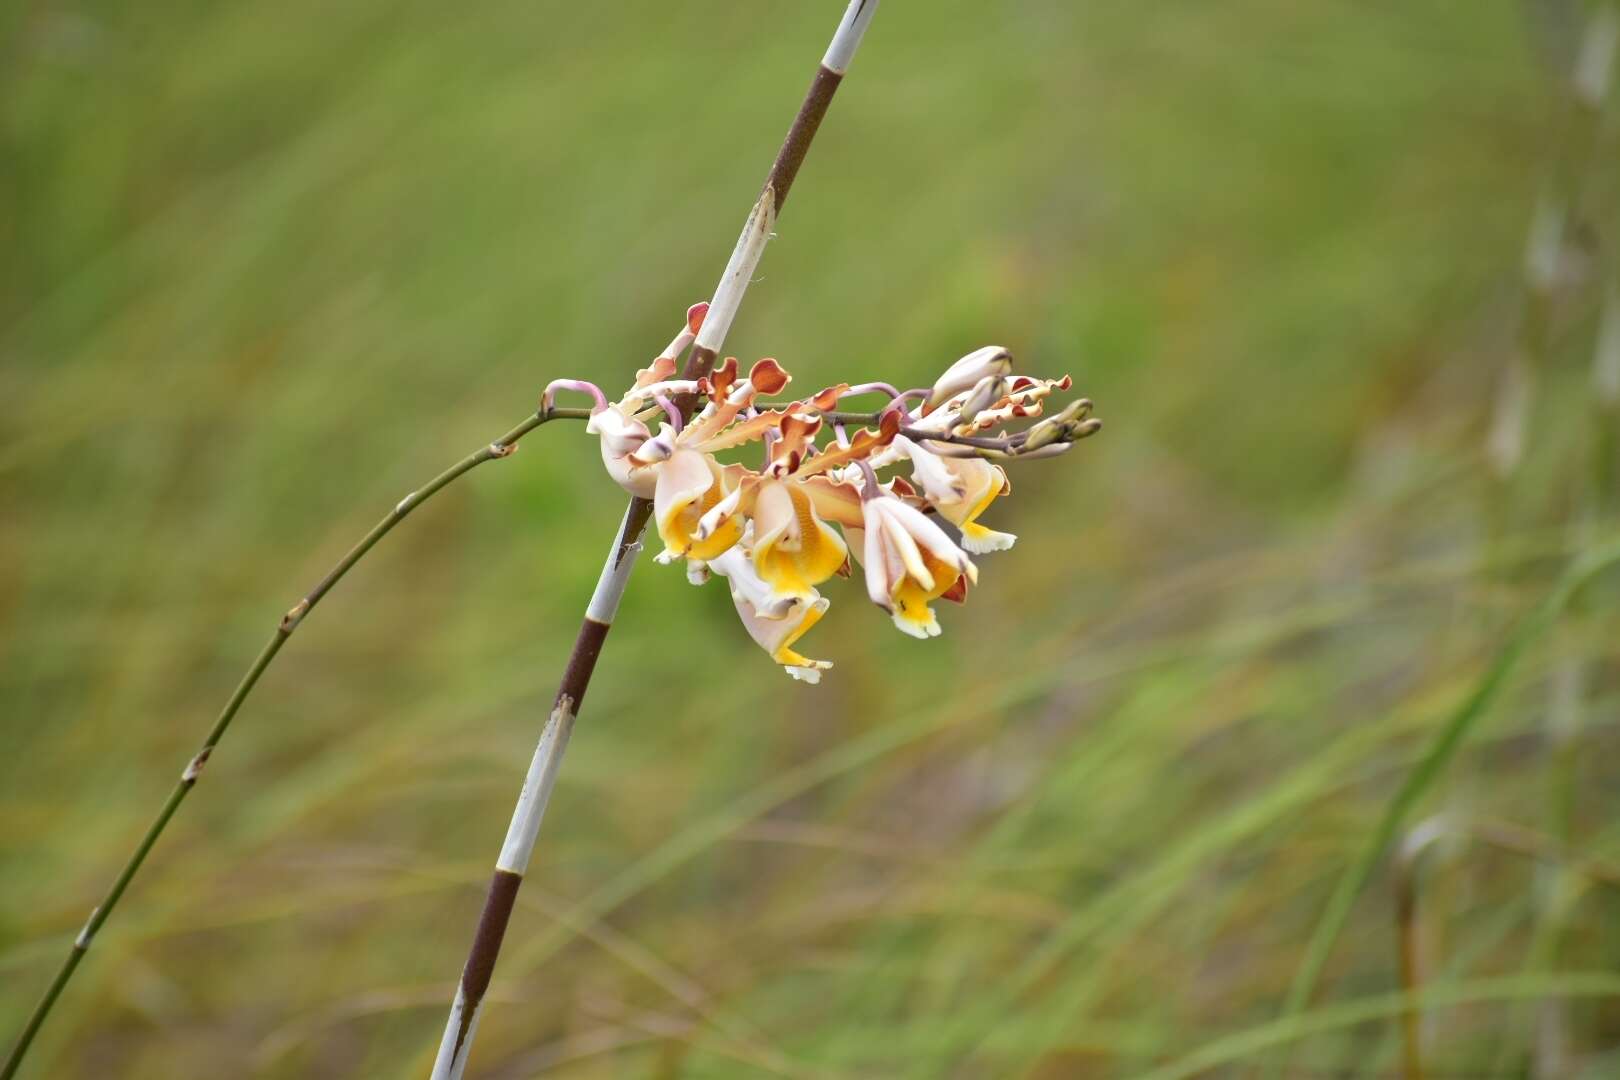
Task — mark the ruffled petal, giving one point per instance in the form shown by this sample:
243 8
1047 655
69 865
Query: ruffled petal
909 562
794 550
689 484
622 436
777 625
981 482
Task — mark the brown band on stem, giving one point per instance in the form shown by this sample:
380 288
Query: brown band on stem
195 767
581 662
799 136
780 181
503 889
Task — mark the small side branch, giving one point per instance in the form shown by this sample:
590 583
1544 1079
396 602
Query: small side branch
502 447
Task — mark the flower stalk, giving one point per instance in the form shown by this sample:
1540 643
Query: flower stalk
456 1045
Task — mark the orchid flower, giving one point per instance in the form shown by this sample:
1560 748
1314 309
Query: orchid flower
960 489
689 484
909 562
778 530
794 549
776 623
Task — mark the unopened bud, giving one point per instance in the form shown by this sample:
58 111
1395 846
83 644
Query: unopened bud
966 373
1066 426
988 391
694 315
1045 433
1083 428
1073 412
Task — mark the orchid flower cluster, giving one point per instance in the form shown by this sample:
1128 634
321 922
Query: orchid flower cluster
778 531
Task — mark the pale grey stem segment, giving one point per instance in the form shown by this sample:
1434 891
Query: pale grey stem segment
455 1047
615 577
739 272
536 794
848 36
452 1060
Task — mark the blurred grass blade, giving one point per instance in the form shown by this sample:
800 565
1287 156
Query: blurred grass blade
1422 778
1290 1029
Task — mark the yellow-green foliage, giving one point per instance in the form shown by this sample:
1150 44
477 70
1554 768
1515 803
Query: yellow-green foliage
266 266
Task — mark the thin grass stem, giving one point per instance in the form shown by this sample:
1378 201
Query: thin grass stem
289 622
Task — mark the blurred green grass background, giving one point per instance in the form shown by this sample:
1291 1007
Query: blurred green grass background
266 267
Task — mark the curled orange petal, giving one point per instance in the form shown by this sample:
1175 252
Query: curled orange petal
768 376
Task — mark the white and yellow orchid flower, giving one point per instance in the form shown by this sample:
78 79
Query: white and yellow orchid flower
960 489
794 549
775 622
909 562
689 484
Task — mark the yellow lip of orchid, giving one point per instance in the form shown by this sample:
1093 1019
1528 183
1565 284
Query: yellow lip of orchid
689 484
794 549
977 538
910 562
960 489
775 623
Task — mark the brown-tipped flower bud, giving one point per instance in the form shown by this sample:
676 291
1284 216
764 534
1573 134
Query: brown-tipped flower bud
966 373
694 315
985 393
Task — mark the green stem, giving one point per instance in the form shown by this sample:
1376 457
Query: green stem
500 448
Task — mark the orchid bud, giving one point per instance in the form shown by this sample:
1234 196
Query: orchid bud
1072 412
1045 433
966 373
1081 429
988 391
1066 426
